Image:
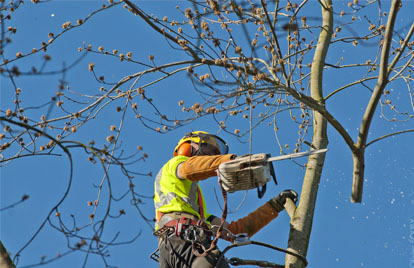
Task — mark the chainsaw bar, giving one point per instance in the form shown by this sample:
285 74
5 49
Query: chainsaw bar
289 156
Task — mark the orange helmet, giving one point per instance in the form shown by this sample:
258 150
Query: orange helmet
204 141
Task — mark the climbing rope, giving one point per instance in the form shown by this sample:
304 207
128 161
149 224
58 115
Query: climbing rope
219 231
237 261
250 242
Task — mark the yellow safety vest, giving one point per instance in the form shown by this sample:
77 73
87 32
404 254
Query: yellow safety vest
177 195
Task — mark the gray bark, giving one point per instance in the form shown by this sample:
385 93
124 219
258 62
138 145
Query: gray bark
5 261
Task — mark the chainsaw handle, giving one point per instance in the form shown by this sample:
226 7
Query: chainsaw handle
261 191
272 170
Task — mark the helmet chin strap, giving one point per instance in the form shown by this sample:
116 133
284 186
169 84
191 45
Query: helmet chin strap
198 151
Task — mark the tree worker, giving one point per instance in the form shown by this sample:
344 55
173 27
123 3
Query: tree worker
183 225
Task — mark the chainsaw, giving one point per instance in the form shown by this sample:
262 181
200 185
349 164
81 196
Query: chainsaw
253 171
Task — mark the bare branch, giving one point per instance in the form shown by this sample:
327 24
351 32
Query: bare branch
403 47
140 13
389 135
358 155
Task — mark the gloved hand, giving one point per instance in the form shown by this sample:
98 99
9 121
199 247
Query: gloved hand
279 201
262 216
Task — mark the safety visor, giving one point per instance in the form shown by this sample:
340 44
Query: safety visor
210 144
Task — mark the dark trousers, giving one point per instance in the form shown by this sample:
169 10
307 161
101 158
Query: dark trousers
176 252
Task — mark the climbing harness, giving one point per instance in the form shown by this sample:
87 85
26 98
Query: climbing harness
195 231
192 231
156 255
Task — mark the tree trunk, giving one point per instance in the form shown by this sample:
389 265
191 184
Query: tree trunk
5 261
301 223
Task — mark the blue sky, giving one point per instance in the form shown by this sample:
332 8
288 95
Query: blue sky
376 233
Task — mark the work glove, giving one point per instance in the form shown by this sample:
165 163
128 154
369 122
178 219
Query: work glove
262 216
278 202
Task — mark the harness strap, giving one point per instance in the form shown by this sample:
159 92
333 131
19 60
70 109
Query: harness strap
200 203
159 215
220 229
185 222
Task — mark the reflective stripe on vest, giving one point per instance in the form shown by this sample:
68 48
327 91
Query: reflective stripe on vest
166 199
175 195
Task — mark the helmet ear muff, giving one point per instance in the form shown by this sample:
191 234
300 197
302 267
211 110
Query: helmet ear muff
185 149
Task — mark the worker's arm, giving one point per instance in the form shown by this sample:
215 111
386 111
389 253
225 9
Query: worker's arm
259 218
197 168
